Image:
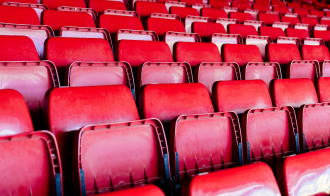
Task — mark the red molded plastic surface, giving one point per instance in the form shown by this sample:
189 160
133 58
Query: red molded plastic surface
207 29
39 153
241 5
279 3
291 20
272 32
19 15
58 19
148 190
305 174
303 69
190 2
294 5
100 5
14 114
144 9
268 19
241 54
115 22
261 8
218 4
323 89
141 145
167 101
213 13
162 25
264 71
251 179
20 1
209 73
51 4
281 10
242 30
184 11
300 33
317 13
216 150
282 53
240 95
137 52
319 53
301 12
309 20
293 92
195 53
240 16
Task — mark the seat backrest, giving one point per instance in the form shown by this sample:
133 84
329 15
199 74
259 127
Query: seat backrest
190 2
312 21
325 21
58 19
281 10
241 54
278 3
100 5
115 22
300 33
319 53
184 11
17 48
19 15
264 71
42 168
216 150
218 4
14 114
63 51
268 19
269 133
293 92
282 53
241 5
213 13
206 29
295 5
240 16
144 156
323 89
242 30
237 181
195 53
240 95
263 2
324 35
137 52
301 12
272 32
261 7
317 13
167 101
144 9
292 174
163 25
147 190
51 4
291 20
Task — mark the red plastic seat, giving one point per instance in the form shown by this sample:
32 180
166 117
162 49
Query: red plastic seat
252 179
218 4
282 53
264 71
272 32
163 25
325 21
299 33
113 23
190 2
218 149
184 11
148 190
64 51
263 2
168 101
291 20
301 12
41 172
240 95
58 19
14 114
278 3
242 30
213 13
310 170
241 54
261 8
317 13
138 52
51 4
324 35
281 10
241 5
207 29
240 16
319 53
19 15
144 9
268 19
295 5
323 89
21 1
309 20
196 53
293 92
69 109
100 5
307 6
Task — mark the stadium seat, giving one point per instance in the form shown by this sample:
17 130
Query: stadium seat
295 5
115 22
307 6
272 32
138 52
319 53
281 10
317 13
218 4
148 190
196 53
241 54
261 8
252 179
19 15
325 21
209 73
240 95
182 12
301 12
100 5
304 174
144 8
38 8
14 114
189 20
51 4
282 53
312 21
293 92
263 2
163 25
240 16
279 3
264 71
30 164
324 35
85 106
21 1
299 33
323 89
191 2
241 5
215 149
206 29
63 51
268 19
291 20
242 30
168 101
213 13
